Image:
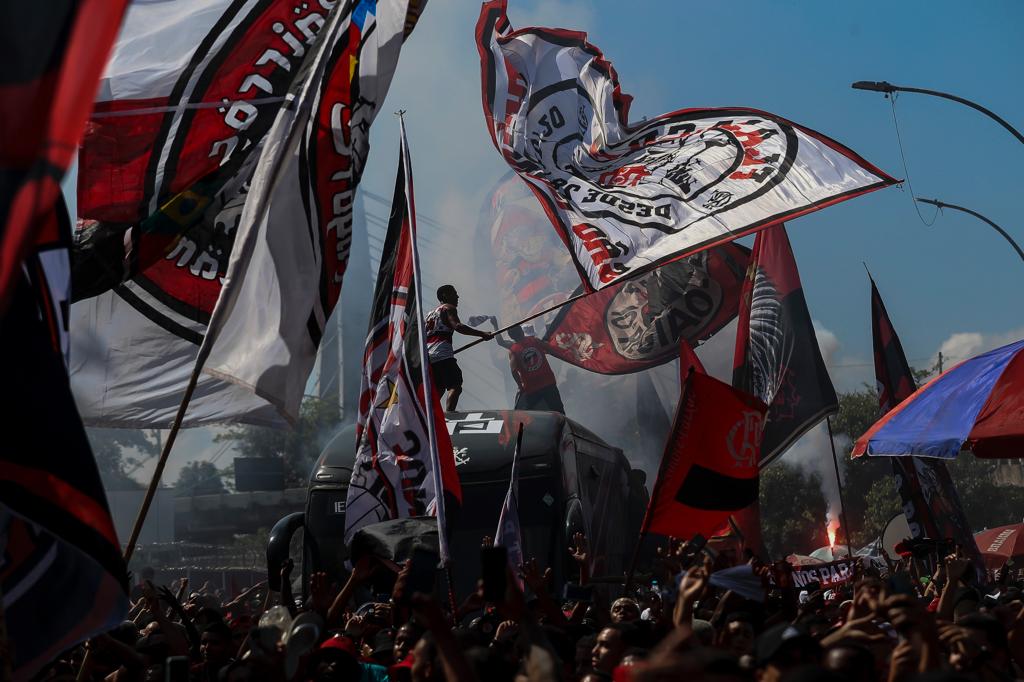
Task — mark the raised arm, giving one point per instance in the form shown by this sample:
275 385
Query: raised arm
453 321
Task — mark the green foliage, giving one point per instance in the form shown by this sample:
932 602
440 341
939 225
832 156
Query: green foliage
870 491
985 503
199 478
881 503
108 446
318 419
792 510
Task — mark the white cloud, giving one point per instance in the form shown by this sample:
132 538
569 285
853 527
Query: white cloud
963 345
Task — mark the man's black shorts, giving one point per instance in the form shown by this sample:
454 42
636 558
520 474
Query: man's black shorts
446 374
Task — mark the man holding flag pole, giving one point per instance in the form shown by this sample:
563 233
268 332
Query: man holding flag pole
404 462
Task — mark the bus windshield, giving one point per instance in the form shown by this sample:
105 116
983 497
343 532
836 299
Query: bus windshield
540 518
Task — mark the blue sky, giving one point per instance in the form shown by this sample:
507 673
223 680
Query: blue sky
953 286
796 59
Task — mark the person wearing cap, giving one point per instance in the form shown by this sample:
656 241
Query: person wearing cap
782 648
337 660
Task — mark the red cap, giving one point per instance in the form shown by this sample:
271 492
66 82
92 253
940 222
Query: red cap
340 643
404 663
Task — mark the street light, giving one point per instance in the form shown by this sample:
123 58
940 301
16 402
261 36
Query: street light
889 88
1007 237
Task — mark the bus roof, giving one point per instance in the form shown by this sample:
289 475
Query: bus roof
484 441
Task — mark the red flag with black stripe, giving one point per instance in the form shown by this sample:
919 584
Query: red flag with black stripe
777 356
927 494
710 465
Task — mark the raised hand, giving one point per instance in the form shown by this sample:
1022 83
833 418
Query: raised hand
579 551
956 568
364 569
533 577
320 592
506 632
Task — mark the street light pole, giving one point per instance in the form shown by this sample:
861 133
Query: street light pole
889 88
1007 237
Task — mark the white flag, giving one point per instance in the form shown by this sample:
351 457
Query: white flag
628 196
509 533
404 461
293 240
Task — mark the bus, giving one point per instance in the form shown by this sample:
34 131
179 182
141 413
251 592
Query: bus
570 481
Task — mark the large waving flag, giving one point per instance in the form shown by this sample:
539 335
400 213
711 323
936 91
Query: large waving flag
188 95
777 356
709 469
628 196
639 323
295 232
404 461
334 67
929 498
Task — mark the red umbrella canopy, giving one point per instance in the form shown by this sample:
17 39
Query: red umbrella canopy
1000 544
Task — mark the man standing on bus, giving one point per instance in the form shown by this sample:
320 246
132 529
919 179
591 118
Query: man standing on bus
442 322
528 359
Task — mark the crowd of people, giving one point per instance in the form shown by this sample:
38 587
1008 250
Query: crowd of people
672 624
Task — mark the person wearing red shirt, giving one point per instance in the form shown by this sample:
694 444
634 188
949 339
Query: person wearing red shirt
529 363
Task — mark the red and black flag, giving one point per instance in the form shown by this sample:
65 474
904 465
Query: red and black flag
54 55
62 575
709 469
929 498
639 323
777 356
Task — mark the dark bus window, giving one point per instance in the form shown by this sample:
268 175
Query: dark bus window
539 519
325 521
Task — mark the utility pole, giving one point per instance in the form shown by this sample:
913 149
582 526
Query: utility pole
1006 235
889 89
940 362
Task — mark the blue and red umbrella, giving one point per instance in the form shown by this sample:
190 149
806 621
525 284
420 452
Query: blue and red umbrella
977 405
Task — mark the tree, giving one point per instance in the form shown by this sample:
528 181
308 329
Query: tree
318 420
108 446
881 503
862 476
870 490
199 478
985 504
793 510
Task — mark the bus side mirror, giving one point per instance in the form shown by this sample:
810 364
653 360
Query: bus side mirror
277 546
573 521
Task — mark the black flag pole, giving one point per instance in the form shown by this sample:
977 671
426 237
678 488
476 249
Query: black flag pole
533 316
839 482
583 294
